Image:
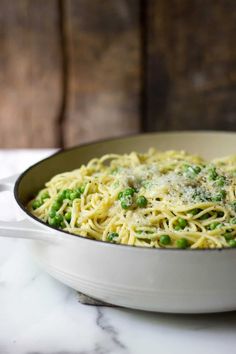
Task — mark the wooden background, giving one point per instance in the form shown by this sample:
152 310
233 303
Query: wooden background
73 71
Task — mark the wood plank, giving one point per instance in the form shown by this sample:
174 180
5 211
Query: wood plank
191 65
30 73
104 69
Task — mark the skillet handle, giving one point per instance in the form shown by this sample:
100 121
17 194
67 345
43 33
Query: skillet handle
22 228
25 229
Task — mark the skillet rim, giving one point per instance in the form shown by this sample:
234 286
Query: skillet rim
106 243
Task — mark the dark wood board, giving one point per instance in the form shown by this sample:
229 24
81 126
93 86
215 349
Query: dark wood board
190 80
30 73
103 52
73 71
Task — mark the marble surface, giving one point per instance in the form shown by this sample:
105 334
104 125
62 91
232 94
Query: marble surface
39 315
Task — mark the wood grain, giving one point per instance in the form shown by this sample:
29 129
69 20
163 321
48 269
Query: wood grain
191 65
30 73
103 52
73 71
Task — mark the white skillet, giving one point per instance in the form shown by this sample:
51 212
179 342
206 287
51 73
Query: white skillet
180 281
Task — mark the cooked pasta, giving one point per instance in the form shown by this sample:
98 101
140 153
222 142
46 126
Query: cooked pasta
156 199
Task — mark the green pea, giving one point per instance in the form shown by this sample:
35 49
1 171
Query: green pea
124 204
233 221
197 169
56 205
52 222
212 174
44 195
60 199
129 192
220 196
68 216
165 240
62 196
178 227
182 243
220 181
81 189
52 213
194 211
217 198
74 195
63 225
214 225
120 195
182 223
232 243
191 171
112 236
36 204
68 193
228 236
186 167
58 218
56 221
205 216
223 193
141 201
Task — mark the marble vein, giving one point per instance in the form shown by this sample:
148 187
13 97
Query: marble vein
103 323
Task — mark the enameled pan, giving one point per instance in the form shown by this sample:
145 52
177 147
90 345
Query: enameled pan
166 280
